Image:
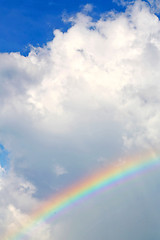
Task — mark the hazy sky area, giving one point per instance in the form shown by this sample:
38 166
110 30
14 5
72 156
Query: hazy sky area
79 90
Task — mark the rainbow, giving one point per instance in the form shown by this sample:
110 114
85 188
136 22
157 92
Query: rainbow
105 178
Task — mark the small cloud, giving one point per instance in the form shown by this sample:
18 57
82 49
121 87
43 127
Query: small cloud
124 2
2 172
59 170
88 8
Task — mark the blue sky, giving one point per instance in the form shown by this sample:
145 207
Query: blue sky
24 23
4 160
33 21
86 98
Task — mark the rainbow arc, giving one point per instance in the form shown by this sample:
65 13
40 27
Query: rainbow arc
105 178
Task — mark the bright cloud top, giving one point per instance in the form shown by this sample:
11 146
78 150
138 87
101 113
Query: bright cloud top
92 93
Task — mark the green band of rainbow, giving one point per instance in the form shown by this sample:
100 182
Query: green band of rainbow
105 178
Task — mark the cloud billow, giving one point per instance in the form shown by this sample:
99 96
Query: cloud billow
91 93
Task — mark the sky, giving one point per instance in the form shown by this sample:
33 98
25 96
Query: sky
25 23
79 90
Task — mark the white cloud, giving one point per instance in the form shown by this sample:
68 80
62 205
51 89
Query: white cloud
59 170
2 170
92 92
153 4
88 8
16 202
124 2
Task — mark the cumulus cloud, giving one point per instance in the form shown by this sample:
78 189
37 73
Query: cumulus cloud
91 93
15 204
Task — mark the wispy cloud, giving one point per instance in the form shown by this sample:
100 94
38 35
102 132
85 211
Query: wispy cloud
59 170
